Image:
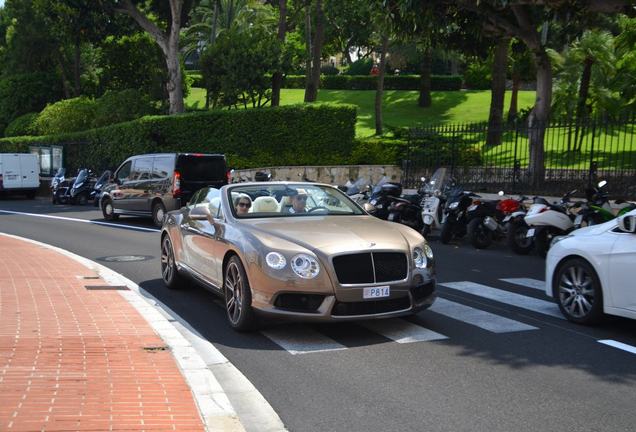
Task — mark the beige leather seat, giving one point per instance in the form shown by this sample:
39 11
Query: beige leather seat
265 204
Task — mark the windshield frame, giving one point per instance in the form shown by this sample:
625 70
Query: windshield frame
334 191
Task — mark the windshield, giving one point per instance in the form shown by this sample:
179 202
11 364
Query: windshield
81 177
289 200
359 186
60 172
378 187
437 182
104 177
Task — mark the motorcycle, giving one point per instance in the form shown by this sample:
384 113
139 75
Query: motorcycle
433 200
547 221
405 210
358 191
57 180
598 208
382 194
454 219
517 230
76 191
60 186
96 193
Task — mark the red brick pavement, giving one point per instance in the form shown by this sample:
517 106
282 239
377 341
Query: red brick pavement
77 359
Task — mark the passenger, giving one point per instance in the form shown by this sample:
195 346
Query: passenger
242 204
299 201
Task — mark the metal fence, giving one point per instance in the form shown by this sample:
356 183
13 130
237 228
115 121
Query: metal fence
575 155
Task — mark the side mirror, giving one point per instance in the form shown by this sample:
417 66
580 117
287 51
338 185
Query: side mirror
200 213
369 208
500 193
627 223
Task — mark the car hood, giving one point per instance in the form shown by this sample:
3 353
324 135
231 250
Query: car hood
336 234
596 229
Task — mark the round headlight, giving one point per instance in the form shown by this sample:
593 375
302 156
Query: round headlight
305 266
428 251
419 258
453 205
275 260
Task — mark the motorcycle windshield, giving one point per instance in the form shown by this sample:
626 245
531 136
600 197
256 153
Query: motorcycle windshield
437 183
81 177
103 178
359 186
60 172
378 187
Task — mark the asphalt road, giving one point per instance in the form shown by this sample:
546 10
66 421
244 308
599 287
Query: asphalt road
448 369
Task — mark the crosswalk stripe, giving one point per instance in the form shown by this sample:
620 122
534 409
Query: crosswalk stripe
518 300
477 317
300 339
402 331
527 282
619 345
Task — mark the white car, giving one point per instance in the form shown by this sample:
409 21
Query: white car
593 271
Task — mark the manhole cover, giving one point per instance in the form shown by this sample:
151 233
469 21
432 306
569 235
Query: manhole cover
125 258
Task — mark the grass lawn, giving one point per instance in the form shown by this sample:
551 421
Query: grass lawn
400 107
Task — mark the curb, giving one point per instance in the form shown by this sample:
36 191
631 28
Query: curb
213 403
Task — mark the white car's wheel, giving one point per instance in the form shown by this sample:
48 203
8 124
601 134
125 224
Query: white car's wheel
578 291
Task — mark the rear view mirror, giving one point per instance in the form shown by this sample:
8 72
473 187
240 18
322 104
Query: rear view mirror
627 223
200 213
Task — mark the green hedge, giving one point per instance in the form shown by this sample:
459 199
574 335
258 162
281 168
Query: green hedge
291 135
368 82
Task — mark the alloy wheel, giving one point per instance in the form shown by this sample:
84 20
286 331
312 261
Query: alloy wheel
233 292
576 291
167 261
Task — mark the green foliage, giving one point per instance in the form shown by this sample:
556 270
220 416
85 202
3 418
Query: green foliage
24 93
196 79
434 150
22 126
118 107
477 75
378 151
69 115
133 62
359 67
329 70
292 135
368 82
235 68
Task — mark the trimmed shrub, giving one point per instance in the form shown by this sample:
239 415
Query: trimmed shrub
311 134
329 70
22 126
368 82
378 151
69 115
359 67
477 76
121 106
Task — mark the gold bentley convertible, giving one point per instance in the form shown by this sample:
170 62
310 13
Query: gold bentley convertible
296 250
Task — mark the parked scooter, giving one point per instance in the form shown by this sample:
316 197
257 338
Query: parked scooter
454 219
488 220
405 210
60 186
547 221
56 182
358 191
433 200
598 208
96 193
382 194
78 191
517 230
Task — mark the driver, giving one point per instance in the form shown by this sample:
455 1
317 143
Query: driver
299 202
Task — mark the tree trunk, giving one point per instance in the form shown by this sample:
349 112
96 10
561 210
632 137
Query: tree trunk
76 67
63 72
277 78
380 88
175 79
581 111
425 99
308 44
215 19
516 84
311 92
539 116
498 92
347 54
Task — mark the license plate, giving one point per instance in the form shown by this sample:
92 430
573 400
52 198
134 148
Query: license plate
12 177
578 220
376 292
530 232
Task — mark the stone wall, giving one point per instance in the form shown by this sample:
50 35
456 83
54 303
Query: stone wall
338 174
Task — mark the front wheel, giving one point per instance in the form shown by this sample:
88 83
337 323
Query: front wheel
238 296
446 235
518 240
579 292
542 240
108 210
479 236
426 231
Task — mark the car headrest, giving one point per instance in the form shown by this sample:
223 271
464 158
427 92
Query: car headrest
265 204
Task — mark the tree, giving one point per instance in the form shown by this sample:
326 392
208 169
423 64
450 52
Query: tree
315 41
167 39
277 77
498 91
521 69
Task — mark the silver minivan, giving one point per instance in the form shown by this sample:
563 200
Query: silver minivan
153 184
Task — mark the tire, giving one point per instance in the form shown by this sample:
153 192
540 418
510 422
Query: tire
516 237
542 242
108 210
578 292
158 213
169 272
426 231
81 199
480 236
30 195
446 235
53 199
238 296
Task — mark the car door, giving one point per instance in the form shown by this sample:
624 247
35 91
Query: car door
141 184
621 271
11 171
200 237
121 193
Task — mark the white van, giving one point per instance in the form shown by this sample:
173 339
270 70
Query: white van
19 172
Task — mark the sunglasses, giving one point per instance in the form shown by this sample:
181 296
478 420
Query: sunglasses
244 204
301 198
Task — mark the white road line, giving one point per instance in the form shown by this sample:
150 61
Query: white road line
300 339
619 345
402 331
69 219
518 300
527 282
477 317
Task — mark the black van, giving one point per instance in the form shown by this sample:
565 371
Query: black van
153 184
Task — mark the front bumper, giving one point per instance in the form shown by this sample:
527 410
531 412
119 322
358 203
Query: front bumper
404 300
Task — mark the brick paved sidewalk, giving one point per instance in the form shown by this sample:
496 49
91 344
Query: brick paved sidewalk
73 358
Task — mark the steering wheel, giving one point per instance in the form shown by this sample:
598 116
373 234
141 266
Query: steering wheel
317 208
